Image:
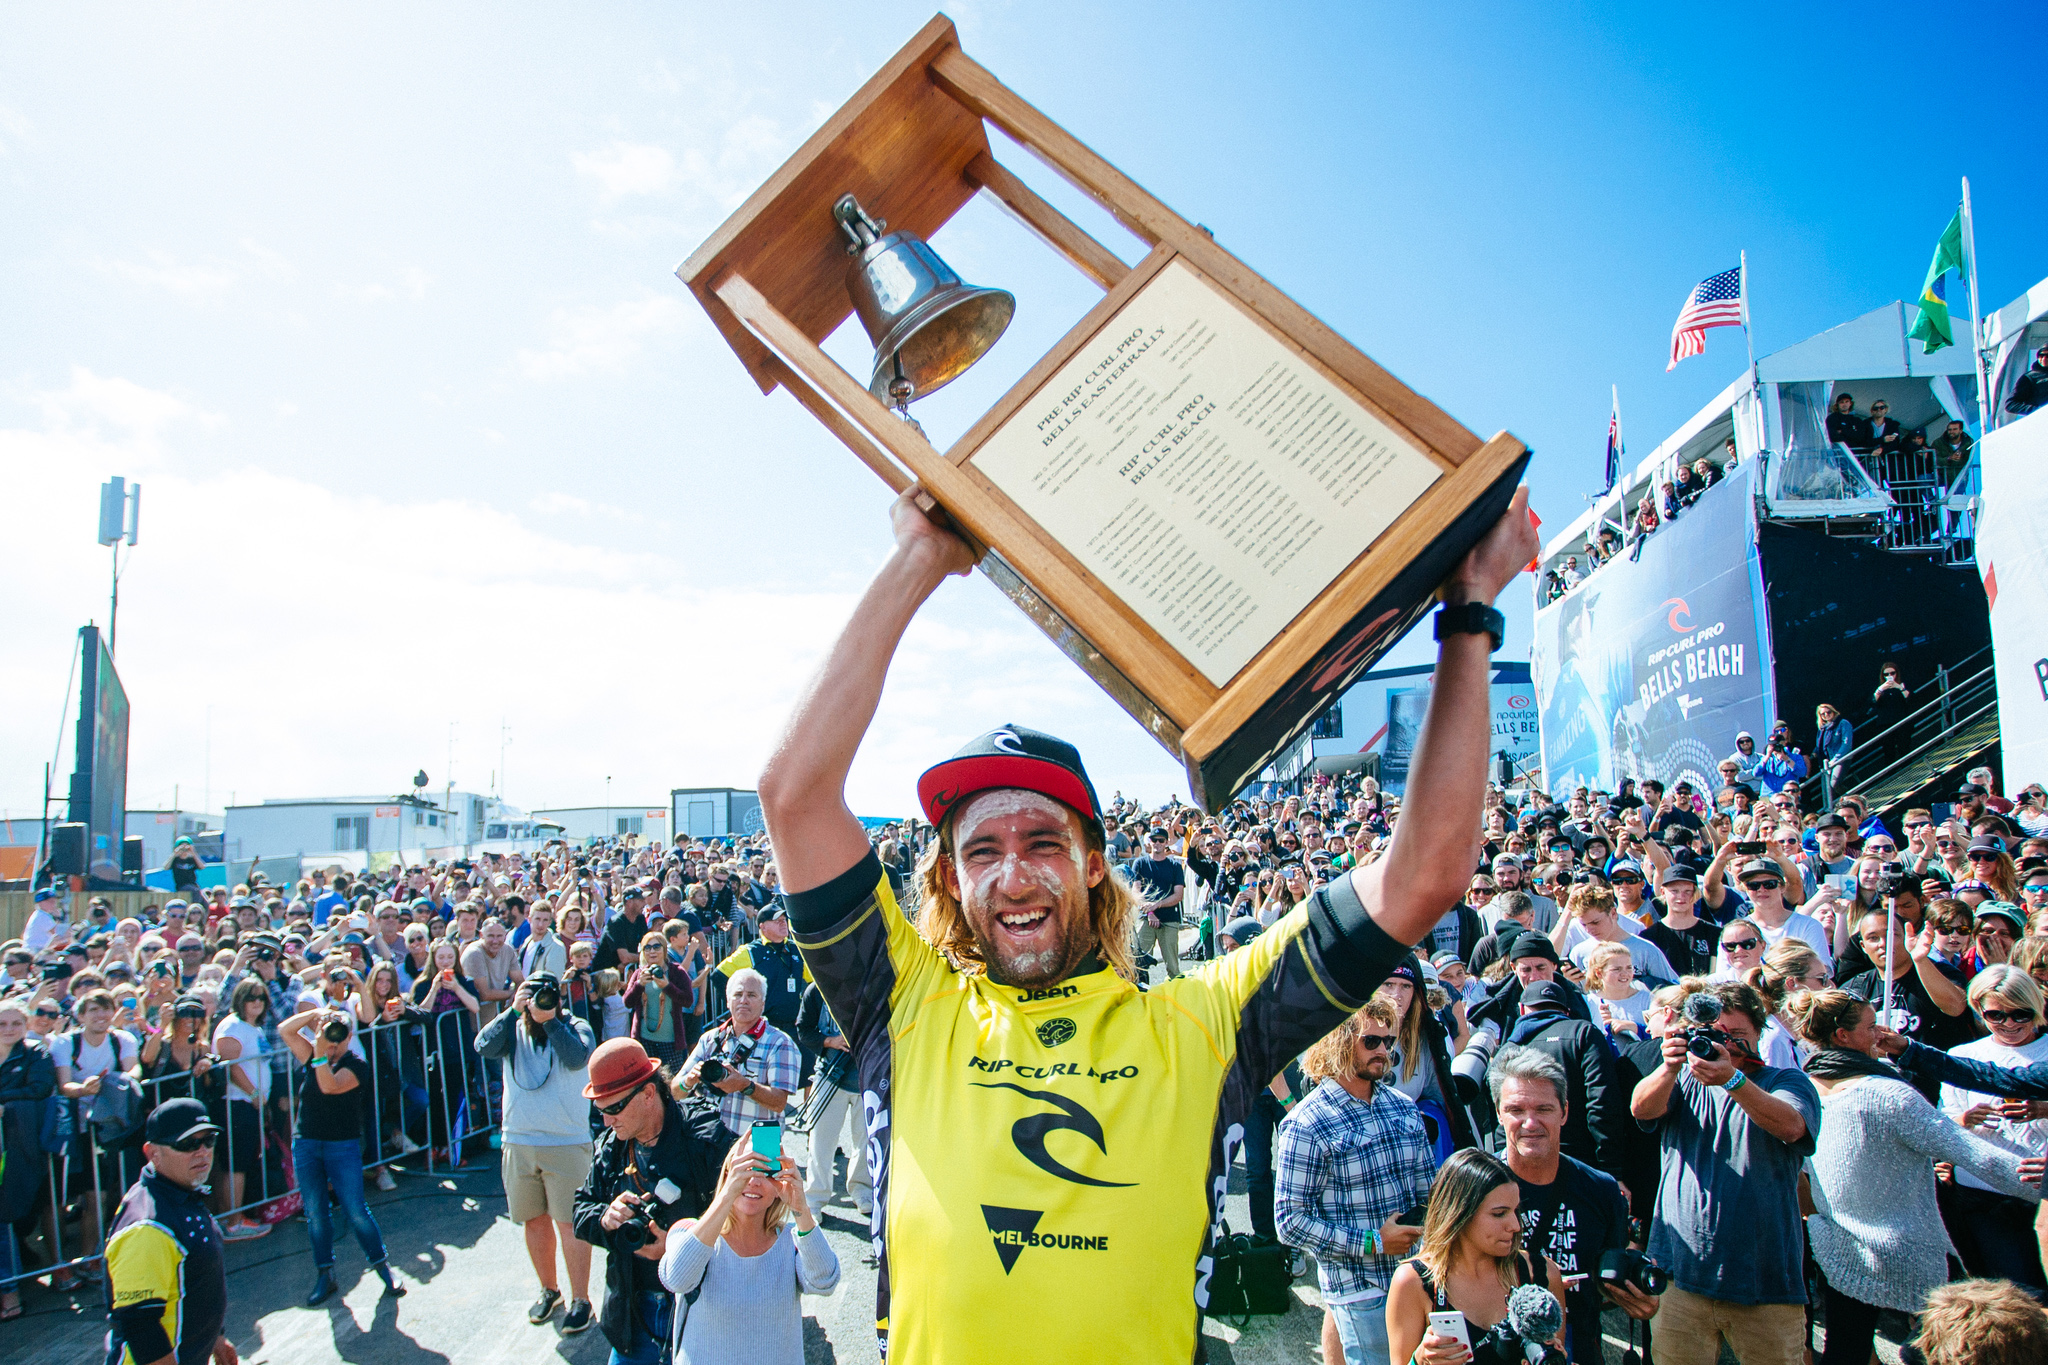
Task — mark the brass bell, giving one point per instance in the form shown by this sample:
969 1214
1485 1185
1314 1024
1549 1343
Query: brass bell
927 326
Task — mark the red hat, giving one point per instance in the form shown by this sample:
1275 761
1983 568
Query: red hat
1010 757
617 1067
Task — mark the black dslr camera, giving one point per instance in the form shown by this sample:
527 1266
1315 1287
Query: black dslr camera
1626 1265
1891 876
335 1031
637 1230
1702 1016
735 1055
544 989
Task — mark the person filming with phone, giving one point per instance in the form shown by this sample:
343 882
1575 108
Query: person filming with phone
751 1064
739 1270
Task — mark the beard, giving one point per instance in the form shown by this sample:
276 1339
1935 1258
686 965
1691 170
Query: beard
1029 968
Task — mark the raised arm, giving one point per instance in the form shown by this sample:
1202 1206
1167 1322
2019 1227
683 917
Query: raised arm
803 787
1436 842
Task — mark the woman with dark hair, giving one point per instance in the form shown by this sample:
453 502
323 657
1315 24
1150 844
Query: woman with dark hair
1876 1231
1422 1054
1469 1259
239 1041
327 1150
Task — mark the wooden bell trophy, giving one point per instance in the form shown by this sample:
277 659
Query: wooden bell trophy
1215 505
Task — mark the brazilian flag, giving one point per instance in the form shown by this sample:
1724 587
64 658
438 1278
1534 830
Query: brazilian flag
1933 327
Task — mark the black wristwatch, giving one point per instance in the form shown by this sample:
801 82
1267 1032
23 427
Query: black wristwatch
1471 618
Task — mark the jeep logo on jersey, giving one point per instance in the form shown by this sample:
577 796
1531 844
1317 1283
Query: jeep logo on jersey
1015 1229
1053 1032
1048 993
1031 1131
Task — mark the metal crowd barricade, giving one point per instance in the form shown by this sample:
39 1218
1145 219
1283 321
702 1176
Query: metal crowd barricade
467 1107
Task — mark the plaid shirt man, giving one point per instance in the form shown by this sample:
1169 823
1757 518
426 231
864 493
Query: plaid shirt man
1344 1167
776 1062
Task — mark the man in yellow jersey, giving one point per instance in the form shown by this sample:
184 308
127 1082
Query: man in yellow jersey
1049 1145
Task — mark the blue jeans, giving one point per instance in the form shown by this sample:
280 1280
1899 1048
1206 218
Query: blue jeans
1362 1327
650 1331
340 1164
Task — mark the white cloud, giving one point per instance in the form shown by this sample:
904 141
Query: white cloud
332 637
411 284
599 338
199 280
628 168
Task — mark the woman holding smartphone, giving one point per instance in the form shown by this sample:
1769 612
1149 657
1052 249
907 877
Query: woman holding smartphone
450 998
1469 1259
749 1268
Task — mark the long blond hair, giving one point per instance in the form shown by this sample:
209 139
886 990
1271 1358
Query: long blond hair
773 1216
943 920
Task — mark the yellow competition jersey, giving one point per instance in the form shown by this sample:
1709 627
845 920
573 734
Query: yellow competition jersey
1048 1164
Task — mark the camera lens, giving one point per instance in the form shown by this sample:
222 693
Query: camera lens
334 1031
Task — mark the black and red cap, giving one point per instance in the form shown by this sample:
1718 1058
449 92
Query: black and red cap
1010 756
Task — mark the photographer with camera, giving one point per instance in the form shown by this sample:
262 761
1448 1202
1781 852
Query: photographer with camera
546 1148
655 1164
1733 1137
753 1065
327 1141
1571 1212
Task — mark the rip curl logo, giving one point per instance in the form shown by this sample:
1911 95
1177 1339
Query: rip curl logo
942 801
1053 1032
1007 741
1680 619
1031 1131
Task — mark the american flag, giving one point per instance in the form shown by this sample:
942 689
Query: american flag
1714 302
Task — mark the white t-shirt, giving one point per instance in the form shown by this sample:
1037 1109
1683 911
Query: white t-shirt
1630 1008
2024 1139
1805 928
42 927
116 1052
250 1036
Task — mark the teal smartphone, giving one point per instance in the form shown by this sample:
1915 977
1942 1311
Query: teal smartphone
766 1141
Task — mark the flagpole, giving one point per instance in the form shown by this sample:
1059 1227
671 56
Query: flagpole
1755 388
1976 329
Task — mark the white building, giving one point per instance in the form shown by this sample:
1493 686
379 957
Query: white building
594 822
715 812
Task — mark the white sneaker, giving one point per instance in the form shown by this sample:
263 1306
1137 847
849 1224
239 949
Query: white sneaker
406 1145
384 1180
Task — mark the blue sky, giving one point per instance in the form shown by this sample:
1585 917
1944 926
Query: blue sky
376 303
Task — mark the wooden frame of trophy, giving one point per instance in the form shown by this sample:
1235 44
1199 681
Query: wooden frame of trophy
1215 505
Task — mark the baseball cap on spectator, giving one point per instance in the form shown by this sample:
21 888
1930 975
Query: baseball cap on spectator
1987 843
1156 832
774 910
635 893
2006 911
1972 789
176 903
1627 867
1679 872
188 942
1831 821
1548 994
618 1065
189 1007
177 1120
46 894
1011 756
1443 960
1244 929
1759 867
1982 888
1532 944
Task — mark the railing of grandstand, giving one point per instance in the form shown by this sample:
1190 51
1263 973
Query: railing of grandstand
426 1079
1958 694
1919 510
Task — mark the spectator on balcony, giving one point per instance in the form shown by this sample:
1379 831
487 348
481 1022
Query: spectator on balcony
1647 519
1684 487
1887 437
1572 574
1747 757
1847 427
2032 389
1669 501
1705 474
1952 451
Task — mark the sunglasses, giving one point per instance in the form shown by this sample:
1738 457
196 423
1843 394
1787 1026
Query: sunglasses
2006 1016
190 1143
1742 945
1483 890
49 1014
1373 1042
612 1111
1763 884
1624 881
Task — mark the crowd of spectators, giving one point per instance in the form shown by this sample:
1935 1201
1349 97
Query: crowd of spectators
1661 1020
1661 502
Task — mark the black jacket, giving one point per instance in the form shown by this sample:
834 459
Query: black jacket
1851 429
834 1064
621 939
1595 1131
690 1151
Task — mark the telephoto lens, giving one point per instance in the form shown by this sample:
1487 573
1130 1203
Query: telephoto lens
335 1031
545 991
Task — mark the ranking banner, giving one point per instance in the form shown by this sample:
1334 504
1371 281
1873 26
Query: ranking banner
1651 666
